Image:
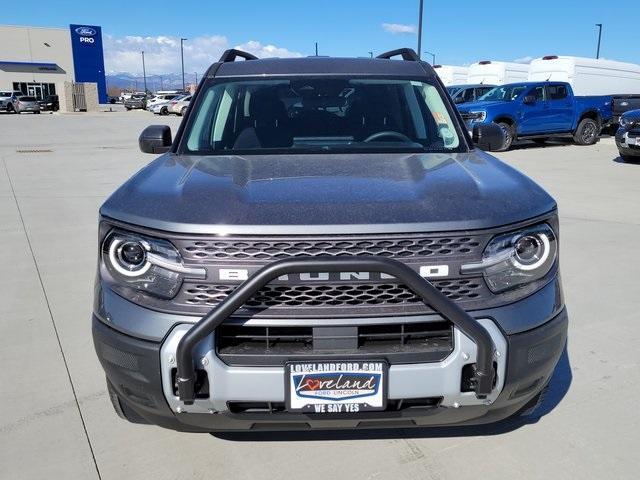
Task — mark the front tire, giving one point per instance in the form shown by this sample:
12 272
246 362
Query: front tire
587 132
164 111
509 136
183 110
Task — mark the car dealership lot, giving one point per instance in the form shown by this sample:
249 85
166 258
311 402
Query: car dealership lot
56 420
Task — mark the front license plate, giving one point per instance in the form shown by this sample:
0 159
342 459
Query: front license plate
336 386
634 141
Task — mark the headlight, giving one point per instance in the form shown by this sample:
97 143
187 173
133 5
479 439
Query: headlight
146 264
477 116
517 258
624 122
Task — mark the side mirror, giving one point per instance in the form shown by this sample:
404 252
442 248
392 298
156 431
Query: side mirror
155 139
529 100
488 137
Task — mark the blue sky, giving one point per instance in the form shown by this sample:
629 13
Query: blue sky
458 32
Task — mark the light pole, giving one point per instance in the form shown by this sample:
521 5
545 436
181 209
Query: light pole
371 54
420 28
161 84
144 74
182 59
599 25
316 49
433 57
196 74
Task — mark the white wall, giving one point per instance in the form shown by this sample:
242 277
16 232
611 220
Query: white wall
29 44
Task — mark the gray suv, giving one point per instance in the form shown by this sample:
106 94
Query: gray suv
324 245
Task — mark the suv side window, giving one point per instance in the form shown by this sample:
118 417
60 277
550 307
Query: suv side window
557 92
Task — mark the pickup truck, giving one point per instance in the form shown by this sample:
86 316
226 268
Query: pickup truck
540 110
622 104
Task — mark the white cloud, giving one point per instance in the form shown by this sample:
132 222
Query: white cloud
523 60
162 54
396 28
266 51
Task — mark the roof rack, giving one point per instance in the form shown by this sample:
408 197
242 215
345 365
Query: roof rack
231 55
406 53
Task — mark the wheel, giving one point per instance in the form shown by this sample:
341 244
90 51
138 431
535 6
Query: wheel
587 132
183 110
37 113
164 111
509 136
10 109
127 108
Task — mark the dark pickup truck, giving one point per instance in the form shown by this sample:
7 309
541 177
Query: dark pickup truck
323 245
621 104
540 110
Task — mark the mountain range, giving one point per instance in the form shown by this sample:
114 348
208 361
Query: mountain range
131 81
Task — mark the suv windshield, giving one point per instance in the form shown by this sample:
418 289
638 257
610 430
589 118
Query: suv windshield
312 114
27 99
6 94
505 93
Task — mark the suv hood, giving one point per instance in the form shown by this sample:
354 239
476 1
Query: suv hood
317 194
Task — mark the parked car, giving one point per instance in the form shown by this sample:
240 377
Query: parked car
50 102
26 103
160 98
136 101
628 136
323 246
179 105
160 108
467 93
7 98
540 110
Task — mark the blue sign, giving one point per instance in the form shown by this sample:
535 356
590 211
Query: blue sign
88 57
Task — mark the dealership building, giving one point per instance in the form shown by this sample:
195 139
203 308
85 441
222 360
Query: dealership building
68 62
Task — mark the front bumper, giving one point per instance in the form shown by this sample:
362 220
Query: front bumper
625 146
139 371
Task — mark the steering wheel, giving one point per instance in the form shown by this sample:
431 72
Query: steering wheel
388 133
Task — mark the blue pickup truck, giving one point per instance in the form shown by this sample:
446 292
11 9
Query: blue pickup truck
540 110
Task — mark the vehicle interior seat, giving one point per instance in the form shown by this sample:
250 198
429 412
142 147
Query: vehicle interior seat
268 125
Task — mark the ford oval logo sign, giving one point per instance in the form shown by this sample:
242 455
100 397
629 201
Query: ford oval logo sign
86 31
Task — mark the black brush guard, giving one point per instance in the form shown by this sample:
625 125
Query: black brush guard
484 374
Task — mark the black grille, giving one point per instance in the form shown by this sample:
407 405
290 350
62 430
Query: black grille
398 343
333 295
272 249
279 407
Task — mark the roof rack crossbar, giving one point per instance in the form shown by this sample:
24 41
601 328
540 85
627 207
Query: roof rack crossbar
231 55
407 54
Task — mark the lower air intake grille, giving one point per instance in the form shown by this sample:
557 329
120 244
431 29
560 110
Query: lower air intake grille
398 343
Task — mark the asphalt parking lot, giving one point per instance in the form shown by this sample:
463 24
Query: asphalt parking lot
56 420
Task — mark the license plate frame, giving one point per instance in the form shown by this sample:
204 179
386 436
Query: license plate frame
304 381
